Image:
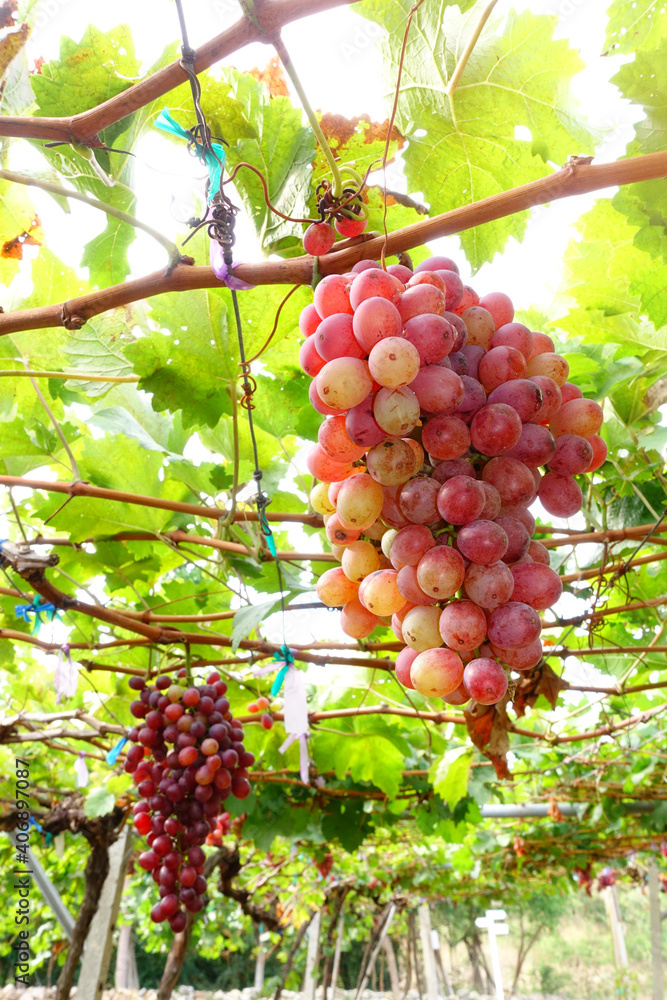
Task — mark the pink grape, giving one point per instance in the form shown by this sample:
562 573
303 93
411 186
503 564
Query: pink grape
536 585
453 288
339 533
359 559
550 365
438 389
538 552
512 479
492 502
463 625
440 572
461 500
460 330
458 363
573 454
599 452
446 437
309 358
474 398
391 463
520 659
323 467
435 673
432 335
359 501
579 416
514 626
391 512
458 697
410 544
372 283
517 538
396 411
343 382
400 271
489 586
437 263
521 394
334 589
317 404
521 513
374 320
514 335
318 239
408 586
453 467
541 345
404 662
334 338
482 541
356 621
560 495
332 295
480 326
379 593
536 446
309 320
485 681
499 364
418 500
334 439
420 627
473 355
551 399
495 429
361 425
421 299
393 362
500 306
570 391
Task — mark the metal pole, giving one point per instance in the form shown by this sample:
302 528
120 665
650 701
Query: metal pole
427 952
656 930
312 955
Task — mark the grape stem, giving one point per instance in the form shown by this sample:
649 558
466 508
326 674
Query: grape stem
286 60
467 52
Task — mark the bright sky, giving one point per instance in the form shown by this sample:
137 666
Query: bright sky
336 56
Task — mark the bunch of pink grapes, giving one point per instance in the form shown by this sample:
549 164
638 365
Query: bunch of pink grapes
444 420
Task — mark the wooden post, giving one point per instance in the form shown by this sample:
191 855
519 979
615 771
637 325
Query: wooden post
338 949
376 950
127 976
427 952
97 949
393 968
618 939
656 930
446 985
312 956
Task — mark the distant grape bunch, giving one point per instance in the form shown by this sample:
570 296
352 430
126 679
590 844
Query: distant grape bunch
440 412
182 788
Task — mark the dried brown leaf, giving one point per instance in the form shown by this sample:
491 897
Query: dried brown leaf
540 680
272 76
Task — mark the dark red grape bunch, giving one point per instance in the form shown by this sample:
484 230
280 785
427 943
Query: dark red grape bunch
187 759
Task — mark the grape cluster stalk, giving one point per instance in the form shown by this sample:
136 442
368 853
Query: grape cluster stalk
188 757
444 421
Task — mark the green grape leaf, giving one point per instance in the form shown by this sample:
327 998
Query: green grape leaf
99 802
187 364
97 349
465 149
248 618
283 152
370 758
450 775
635 24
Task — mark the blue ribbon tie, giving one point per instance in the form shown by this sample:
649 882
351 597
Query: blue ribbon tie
114 753
214 160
